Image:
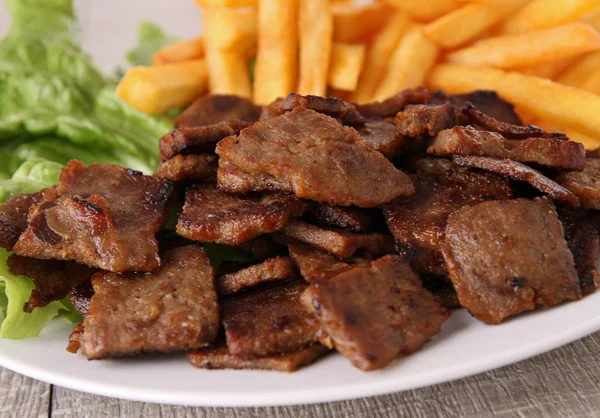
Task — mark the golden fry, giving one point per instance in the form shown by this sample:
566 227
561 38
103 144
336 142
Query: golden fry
346 63
410 63
275 74
228 73
230 30
542 14
548 69
378 54
545 99
188 49
226 3
593 19
316 38
588 142
582 69
425 11
355 23
592 82
521 50
158 89
465 24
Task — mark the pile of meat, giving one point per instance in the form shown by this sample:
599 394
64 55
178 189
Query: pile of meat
330 226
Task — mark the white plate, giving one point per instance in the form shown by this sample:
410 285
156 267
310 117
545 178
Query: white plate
464 347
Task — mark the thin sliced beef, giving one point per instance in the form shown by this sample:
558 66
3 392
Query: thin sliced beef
104 216
232 179
384 137
350 218
53 279
220 358
520 172
13 217
418 223
438 166
427 120
339 243
507 257
316 264
583 241
278 268
330 106
489 103
262 248
442 289
269 321
214 108
584 184
507 130
374 314
188 168
200 140
321 159
174 309
395 104
551 153
75 338
81 295
213 216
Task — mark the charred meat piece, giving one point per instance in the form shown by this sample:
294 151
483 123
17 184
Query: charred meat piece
395 104
219 357
278 268
374 314
418 223
330 106
213 216
200 140
438 166
384 137
339 243
490 104
520 172
214 108
350 218
232 179
75 338
442 289
104 216
507 130
13 217
186 168
423 120
174 309
583 241
321 159
551 153
81 295
507 257
53 279
585 184
262 248
269 321
316 264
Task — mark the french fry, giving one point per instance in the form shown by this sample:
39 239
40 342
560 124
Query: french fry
228 73
593 19
230 30
158 89
465 24
548 69
275 74
581 70
226 3
346 63
357 22
377 57
409 64
521 50
592 82
588 142
425 11
545 99
542 14
188 49
316 37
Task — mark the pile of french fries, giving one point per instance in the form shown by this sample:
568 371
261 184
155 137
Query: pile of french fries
541 55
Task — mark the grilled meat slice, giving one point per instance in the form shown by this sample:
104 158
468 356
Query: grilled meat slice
215 108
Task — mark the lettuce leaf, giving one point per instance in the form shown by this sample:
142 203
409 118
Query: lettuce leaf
151 38
31 176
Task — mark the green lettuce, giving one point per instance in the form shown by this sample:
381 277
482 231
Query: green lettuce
31 176
151 38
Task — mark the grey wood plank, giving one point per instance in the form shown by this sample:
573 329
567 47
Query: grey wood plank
562 383
21 396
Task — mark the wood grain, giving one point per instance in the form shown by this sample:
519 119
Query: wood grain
21 396
561 383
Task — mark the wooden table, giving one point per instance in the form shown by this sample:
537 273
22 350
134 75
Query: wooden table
562 383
